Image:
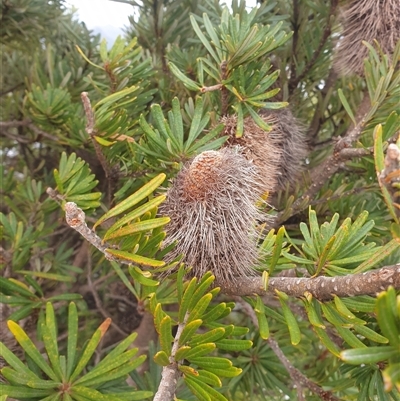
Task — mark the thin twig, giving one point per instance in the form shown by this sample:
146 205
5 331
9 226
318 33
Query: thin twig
212 88
26 123
170 373
224 90
90 129
300 381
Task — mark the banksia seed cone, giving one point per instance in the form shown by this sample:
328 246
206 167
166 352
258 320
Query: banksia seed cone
277 154
366 20
212 209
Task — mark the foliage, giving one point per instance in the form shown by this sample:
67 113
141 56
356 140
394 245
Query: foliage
152 101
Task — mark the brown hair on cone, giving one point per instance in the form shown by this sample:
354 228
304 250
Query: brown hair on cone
366 20
212 206
278 154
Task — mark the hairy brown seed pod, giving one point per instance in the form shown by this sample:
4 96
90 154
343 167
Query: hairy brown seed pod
212 206
278 154
366 20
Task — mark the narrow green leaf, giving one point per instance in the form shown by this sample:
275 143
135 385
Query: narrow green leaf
294 330
234 345
202 287
161 358
216 313
139 276
189 83
211 336
133 199
165 335
359 356
189 330
329 344
15 362
370 334
48 276
187 296
124 279
207 362
200 351
377 257
30 348
105 369
346 106
90 348
386 317
72 338
22 393
200 308
261 318
148 206
197 389
276 253
229 372
133 258
312 314
342 308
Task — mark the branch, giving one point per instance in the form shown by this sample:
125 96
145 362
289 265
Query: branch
75 218
322 287
294 81
297 377
170 373
26 123
92 132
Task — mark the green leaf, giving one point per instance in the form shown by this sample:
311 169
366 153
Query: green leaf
148 206
200 308
208 362
48 276
370 334
165 335
133 199
15 362
346 106
234 345
313 315
72 338
277 250
200 350
197 389
21 392
133 258
133 228
189 83
211 336
377 257
28 346
187 296
161 358
140 277
386 316
261 318
90 348
189 330
202 287
359 356
227 372
329 344
294 330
